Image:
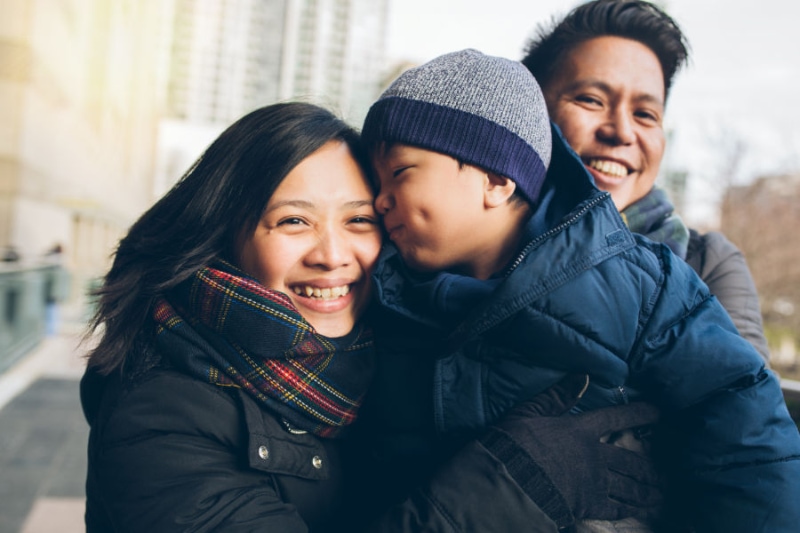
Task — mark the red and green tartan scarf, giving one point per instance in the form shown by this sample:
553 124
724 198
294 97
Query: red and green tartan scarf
229 330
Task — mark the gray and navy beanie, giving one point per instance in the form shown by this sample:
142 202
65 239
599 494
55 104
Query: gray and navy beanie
482 110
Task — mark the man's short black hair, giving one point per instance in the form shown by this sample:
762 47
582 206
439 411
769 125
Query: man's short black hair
631 19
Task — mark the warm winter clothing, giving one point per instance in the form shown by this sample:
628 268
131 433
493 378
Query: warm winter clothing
171 453
654 217
595 485
444 106
506 480
715 259
221 432
721 265
584 295
175 446
232 328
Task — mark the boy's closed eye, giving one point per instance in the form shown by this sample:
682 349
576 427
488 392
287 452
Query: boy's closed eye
399 171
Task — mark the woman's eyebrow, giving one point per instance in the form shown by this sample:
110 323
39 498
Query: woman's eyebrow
358 203
305 204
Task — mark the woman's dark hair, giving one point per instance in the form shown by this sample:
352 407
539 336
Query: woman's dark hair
632 19
201 218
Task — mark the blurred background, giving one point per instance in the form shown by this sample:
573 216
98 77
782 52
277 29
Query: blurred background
104 104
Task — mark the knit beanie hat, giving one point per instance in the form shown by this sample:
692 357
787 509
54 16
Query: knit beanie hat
482 110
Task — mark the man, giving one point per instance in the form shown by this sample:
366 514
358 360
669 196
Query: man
606 70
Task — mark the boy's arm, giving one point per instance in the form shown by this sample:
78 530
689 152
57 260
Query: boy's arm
739 449
471 492
722 267
538 469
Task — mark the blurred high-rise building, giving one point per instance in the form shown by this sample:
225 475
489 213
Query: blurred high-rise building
105 103
228 57
78 117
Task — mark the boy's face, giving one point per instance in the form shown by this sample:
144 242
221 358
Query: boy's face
431 207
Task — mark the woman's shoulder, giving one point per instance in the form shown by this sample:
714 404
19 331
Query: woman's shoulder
169 389
168 401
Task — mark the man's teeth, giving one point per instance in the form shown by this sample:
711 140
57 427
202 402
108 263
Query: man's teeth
609 167
328 293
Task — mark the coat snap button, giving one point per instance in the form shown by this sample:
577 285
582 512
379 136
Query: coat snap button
317 462
263 452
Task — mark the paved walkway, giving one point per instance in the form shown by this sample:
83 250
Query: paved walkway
43 438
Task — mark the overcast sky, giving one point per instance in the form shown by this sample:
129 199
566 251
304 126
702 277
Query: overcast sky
738 98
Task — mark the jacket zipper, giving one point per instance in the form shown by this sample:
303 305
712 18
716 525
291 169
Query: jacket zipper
553 231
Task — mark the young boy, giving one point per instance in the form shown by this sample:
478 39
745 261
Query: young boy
507 269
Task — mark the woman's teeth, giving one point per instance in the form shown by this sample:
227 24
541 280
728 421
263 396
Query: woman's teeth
611 168
328 293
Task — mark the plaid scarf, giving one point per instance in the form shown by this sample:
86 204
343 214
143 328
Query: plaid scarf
653 216
227 329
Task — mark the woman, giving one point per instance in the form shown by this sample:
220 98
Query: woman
231 358
229 341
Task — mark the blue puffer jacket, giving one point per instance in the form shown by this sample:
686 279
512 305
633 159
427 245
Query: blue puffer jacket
586 295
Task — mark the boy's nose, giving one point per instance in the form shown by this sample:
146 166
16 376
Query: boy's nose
383 202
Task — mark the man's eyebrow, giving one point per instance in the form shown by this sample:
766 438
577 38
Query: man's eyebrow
649 98
587 83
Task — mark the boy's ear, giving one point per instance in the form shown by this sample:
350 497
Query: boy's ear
498 189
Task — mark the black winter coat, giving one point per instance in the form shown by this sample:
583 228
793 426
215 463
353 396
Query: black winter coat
171 453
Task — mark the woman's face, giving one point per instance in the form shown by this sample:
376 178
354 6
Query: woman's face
318 240
607 97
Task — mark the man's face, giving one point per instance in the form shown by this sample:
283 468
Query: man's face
430 205
607 96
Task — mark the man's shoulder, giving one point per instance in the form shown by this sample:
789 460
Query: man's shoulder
707 250
714 239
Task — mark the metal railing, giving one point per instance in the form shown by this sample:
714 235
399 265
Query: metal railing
25 292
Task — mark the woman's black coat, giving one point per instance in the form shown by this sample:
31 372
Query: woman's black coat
168 452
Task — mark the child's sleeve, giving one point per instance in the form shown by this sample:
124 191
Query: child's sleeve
738 449
472 492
